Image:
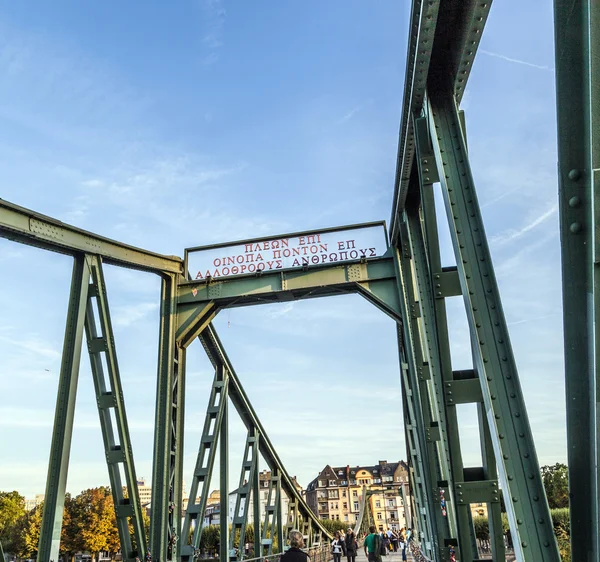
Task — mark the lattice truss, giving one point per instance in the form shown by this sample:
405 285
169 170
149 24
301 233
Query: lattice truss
409 284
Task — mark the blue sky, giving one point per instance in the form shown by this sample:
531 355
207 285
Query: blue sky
169 125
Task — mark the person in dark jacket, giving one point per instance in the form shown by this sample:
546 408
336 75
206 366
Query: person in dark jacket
351 545
295 552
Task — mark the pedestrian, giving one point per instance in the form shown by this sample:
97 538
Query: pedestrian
337 547
295 553
385 547
372 545
394 539
351 545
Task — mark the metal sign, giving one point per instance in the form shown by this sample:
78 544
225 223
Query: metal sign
298 250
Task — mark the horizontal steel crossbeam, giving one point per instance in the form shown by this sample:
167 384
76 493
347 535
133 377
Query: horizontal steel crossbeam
28 227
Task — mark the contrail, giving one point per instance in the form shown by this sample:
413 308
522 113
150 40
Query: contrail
518 61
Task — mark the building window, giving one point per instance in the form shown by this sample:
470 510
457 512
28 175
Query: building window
354 493
321 483
377 503
346 517
332 482
379 516
345 504
391 503
393 515
343 493
355 506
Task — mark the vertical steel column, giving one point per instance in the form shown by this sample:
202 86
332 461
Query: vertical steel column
60 449
163 458
491 473
109 397
495 366
429 272
177 434
224 482
577 34
415 451
256 505
436 472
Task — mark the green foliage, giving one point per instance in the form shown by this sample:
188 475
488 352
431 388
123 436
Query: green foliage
12 509
333 525
556 484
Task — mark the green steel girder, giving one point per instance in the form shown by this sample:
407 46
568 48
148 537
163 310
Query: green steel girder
28 227
436 473
525 499
577 34
224 481
197 303
443 41
109 396
203 470
246 491
239 399
60 448
165 457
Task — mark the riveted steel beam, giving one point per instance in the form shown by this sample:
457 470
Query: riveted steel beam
375 279
164 458
60 448
28 227
494 362
443 40
577 34
240 401
109 396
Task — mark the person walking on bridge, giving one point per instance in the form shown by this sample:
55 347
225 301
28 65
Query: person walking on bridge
351 545
337 547
373 545
295 552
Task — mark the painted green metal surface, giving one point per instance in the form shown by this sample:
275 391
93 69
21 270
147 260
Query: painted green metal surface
518 468
109 398
577 35
375 279
192 526
60 449
161 528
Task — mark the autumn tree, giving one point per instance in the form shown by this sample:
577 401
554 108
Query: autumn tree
29 533
92 518
12 510
556 484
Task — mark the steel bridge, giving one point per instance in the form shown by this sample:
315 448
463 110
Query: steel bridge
403 277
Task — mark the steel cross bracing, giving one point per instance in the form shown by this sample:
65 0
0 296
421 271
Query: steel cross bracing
410 285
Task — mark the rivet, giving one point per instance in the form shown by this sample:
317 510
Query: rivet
501 435
574 174
574 201
575 227
524 544
515 499
519 521
535 498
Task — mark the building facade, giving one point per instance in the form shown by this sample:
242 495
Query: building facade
264 478
336 493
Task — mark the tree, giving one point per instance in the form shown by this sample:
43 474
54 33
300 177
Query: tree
29 533
92 518
12 509
556 484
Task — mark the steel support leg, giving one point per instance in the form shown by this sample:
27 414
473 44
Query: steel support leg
161 530
109 397
204 464
577 33
436 474
495 366
242 500
224 484
63 418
